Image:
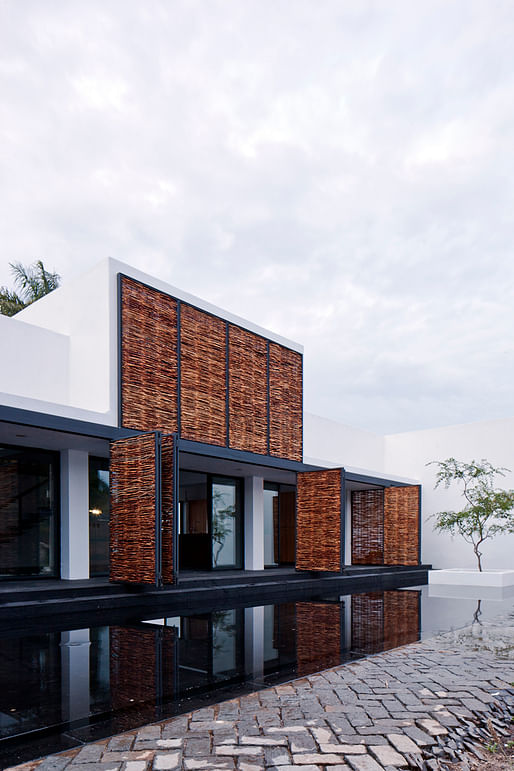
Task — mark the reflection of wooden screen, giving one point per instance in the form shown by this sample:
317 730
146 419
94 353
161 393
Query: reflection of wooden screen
384 620
318 635
286 506
318 526
133 666
401 618
148 358
368 622
133 509
142 665
286 408
368 527
202 376
248 391
401 525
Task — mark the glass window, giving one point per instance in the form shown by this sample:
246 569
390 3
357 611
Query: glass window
271 556
99 516
225 523
29 516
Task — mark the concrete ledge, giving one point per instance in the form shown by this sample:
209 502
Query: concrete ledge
467 577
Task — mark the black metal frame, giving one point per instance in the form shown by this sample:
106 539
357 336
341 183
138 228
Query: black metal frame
33 419
227 386
179 367
376 481
158 509
419 524
243 456
268 400
176 471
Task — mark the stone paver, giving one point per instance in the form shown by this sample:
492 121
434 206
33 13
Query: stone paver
384 712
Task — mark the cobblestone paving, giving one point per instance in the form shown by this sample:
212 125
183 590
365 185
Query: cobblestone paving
377 713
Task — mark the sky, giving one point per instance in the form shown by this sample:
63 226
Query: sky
340 172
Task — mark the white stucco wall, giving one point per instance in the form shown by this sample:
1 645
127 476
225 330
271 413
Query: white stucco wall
492 440
85 310
34 361
326 442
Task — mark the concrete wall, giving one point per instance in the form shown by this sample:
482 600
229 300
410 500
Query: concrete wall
492 440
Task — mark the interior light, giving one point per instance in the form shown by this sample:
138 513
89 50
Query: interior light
95 512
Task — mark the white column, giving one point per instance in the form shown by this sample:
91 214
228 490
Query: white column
75 674
254 523
74 514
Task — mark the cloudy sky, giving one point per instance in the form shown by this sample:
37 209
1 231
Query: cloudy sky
338 171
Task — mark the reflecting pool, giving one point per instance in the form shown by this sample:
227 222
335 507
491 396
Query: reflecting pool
61 688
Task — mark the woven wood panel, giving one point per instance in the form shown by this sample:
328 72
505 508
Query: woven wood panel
202 377
248 391
368 622
286 384
167 506
318 635
368 527
401 618
148 358
401 525
132 523
318 520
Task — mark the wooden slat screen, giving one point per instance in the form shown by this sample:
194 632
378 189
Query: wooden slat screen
286 383
318 635
202 377
318 520
401 618
368 622
159 339
401 525
148 358
248 391
368 527
167 502
133 510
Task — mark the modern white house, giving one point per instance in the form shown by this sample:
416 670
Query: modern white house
145 432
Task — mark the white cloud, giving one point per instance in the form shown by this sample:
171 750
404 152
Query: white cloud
340 172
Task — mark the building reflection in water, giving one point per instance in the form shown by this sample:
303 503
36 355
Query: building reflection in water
147 670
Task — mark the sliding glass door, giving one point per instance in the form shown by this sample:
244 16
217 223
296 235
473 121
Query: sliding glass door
29 512
210 522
